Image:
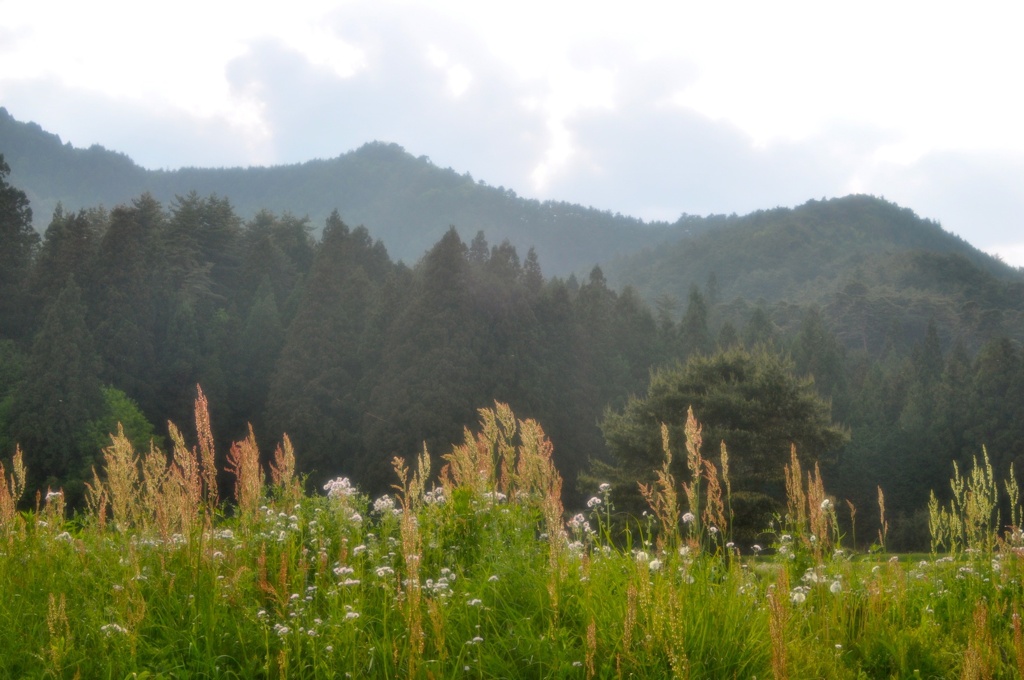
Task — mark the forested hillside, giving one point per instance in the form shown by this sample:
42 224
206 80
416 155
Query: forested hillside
407 202
879 273
357 357
911 339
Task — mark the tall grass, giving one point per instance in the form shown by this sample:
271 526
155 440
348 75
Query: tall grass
481 574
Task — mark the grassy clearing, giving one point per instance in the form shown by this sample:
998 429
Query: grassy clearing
479 575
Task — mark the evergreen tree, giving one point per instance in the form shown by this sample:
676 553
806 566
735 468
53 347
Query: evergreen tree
280 249
750 400
319 389
728 337
817 352
59 395
432 379
694 336
69 249
997 403
759 329
124 305
19 243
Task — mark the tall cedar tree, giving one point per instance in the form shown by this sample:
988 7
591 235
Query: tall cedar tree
69 249
60 394
123 304
432 377
319 389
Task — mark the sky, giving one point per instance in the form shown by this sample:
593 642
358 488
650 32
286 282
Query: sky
649 109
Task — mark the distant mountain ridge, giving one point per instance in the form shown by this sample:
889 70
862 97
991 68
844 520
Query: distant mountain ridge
407 202
877 270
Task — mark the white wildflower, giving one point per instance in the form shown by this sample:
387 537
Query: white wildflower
594 502
688 517
339 488
383 505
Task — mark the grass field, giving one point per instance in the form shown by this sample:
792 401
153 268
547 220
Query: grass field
482 574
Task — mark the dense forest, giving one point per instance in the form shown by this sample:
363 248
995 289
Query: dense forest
116 316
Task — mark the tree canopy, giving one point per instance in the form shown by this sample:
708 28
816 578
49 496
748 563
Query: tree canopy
749 399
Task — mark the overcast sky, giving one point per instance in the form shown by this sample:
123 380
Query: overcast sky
650 109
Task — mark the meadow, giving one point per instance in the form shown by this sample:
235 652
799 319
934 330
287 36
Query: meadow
472 568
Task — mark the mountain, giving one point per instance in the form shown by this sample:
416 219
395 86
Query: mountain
406 202
877 270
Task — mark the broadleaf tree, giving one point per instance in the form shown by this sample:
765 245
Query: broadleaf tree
750 399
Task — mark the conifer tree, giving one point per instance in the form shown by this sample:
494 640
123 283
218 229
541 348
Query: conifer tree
431 378
68 249
319 389
59 394
694 335
750 400
124 306
18 244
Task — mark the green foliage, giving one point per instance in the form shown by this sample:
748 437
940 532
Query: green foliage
118 410
971 522
751 400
